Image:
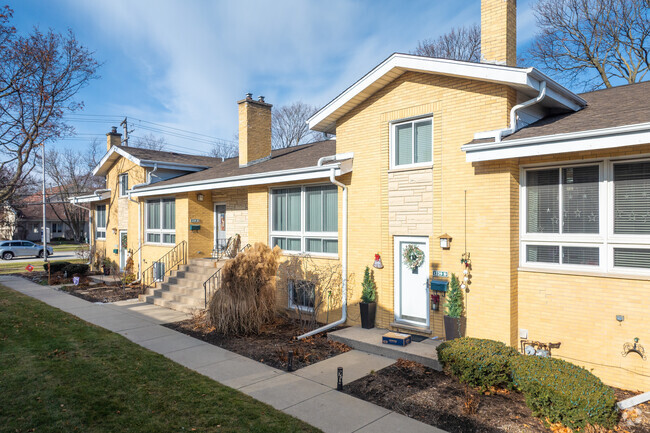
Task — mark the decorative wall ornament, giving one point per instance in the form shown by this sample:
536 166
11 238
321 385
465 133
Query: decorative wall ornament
636 348
378 264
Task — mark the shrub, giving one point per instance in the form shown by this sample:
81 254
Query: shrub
76 268
55 266
245 299
480 363
563 392
368 293
455 306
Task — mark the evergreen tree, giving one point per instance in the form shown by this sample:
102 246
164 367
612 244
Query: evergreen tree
455 299
368 293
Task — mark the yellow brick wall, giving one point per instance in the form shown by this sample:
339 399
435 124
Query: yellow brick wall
200 242
455 104
580 311
254 130
236 201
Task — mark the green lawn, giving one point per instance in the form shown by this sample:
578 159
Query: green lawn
58 373
11 267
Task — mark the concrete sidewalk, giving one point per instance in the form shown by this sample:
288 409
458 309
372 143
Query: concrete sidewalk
308 394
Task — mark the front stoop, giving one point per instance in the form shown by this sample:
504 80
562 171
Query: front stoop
183 290
369 340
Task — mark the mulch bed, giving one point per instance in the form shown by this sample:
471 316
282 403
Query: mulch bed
103 293
438 399
271 346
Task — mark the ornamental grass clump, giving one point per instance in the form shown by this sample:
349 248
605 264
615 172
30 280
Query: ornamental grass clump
476 362
561 392
246 298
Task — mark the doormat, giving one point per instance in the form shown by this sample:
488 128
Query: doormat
417 338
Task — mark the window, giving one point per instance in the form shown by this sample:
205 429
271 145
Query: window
302 295
100 218
123 180
412 143
305 219
57 227
590 216
160 221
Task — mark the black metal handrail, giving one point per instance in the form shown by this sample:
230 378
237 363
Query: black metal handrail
245 247
211 285
162 267
218 252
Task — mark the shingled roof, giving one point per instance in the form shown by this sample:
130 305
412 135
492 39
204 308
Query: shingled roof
305 155
171 157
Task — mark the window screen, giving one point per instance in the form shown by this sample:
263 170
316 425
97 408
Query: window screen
632 198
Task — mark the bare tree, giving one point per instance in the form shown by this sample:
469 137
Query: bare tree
40 75
593 42
224 149
289 125
149 141
72 179
462 43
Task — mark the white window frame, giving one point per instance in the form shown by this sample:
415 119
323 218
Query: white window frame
605 240
412 121
123 192
162 232
303 235
100 232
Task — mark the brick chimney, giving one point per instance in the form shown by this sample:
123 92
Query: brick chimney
254 130
113 138
499 32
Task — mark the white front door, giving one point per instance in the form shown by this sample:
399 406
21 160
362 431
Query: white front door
220 239
411 291
124 253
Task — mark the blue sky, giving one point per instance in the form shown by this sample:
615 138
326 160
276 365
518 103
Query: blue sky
184 64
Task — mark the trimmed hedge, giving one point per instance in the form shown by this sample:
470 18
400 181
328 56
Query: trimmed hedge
563 392
76 268
477 362
56 266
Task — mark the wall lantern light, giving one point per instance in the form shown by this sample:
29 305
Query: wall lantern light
114 230
199 197
445 240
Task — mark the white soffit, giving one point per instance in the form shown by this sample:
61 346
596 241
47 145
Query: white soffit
101 195
115 153
607 138
524 79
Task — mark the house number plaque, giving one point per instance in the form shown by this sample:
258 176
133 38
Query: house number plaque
442 274
195 221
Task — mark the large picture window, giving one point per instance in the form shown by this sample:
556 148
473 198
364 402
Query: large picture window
305 219
100 218
160 216
412 143
589 216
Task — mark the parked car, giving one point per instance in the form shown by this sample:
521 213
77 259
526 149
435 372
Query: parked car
11 249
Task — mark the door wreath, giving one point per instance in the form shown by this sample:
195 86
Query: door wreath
413 257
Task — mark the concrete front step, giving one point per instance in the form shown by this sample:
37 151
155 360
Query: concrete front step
369 340
169 304
191 291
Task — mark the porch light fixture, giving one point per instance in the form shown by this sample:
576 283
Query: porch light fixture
114 230
199 197
445 240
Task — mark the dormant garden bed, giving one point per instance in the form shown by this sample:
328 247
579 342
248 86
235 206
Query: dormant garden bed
271 346
438 399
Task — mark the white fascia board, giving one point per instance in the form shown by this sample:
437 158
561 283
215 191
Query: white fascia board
300 174
595 139
91 197
516 77
172 166
99 170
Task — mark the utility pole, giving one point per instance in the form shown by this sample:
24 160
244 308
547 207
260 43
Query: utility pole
125 124
44 217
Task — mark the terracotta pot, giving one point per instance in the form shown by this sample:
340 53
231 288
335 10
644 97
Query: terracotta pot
368 313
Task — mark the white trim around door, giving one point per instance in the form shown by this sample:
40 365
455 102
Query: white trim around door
410 287
219 213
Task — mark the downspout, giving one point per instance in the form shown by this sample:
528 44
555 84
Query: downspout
155 167
513 113
344 248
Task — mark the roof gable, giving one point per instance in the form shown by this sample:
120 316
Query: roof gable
525 80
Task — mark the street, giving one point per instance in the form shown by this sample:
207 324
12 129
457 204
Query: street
62 255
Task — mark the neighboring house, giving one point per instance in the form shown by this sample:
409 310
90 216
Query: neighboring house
27 219
547 190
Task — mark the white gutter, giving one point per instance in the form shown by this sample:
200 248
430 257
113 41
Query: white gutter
500 133
344 247
155 167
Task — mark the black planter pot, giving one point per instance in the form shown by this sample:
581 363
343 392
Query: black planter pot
454 327
107 271
368 313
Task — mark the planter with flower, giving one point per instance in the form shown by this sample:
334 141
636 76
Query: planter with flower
435 302
368 306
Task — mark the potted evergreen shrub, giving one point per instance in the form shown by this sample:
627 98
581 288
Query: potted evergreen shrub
368 306
454 320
